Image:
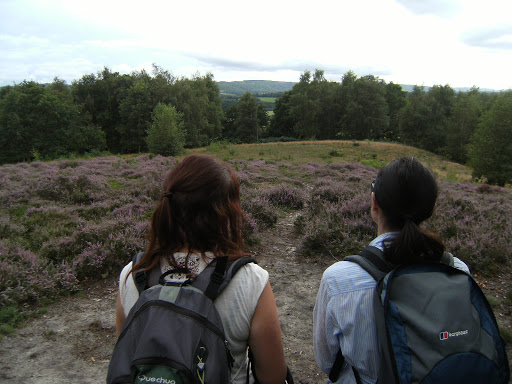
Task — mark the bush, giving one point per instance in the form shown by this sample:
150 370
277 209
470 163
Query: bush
87 138
166 136
62 221
259 210
285 196
26 277
475 225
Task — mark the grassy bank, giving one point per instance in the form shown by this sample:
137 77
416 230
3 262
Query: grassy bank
369 153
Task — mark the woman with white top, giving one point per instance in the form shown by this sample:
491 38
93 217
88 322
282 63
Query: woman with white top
198 219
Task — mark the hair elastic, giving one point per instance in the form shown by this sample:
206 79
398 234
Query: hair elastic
169 195
409 218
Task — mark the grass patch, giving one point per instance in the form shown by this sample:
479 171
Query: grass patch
6 330
115 184
336 153
268 99
492 301
18 210
375 154
506 334
217 146
10 317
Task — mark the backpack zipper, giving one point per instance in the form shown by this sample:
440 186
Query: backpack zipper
203 321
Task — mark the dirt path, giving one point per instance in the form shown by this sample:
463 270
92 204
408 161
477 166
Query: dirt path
72 343
295 283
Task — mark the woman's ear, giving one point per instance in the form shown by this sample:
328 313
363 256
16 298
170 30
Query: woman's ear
374 203
375 209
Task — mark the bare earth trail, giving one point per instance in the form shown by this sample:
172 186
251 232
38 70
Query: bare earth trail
73 342
295 284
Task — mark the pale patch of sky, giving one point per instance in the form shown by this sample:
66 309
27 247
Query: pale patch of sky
424 42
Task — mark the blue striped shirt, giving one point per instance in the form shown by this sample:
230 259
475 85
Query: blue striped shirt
343 317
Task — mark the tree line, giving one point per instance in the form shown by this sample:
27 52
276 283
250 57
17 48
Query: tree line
473 127
161 113
107 111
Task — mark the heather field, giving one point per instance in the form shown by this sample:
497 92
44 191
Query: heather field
66 223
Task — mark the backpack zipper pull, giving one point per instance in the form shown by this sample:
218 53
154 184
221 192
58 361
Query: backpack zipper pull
231 359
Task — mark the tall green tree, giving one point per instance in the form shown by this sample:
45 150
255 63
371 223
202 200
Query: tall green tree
247 120
135 114
490 149
198 99
100 97
304 106
305 111
34 123
16 125
366 114
166 136
440 99
466 112
396 99
54 121
282 123
330 110
415 118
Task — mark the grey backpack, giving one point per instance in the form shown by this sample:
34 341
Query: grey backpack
434 325
174 334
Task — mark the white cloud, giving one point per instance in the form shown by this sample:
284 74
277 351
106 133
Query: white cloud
413 41
497 37
440 8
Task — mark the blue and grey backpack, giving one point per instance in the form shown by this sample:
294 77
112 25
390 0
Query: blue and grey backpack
174 334
434 325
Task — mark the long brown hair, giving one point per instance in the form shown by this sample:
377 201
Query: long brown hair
199 211
407 191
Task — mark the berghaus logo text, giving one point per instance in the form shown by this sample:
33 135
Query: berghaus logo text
446 335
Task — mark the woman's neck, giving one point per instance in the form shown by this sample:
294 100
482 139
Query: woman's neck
382 227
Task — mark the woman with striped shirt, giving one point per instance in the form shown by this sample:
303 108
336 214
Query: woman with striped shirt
402 196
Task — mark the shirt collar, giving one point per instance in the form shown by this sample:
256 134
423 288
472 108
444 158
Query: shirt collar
378 241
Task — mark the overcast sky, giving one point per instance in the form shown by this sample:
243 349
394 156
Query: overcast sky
462 43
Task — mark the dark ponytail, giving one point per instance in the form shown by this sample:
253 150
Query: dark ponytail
406 191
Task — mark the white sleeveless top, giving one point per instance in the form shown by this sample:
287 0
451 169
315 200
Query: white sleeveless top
236 305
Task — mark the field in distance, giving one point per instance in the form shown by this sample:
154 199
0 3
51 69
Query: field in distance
370 153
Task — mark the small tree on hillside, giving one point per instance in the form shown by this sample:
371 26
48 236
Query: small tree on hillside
86 138
166 136
490 150
246 121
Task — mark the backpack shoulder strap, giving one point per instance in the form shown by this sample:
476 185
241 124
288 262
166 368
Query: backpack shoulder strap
218 274
447 259
139 277
372 260
217 277
338 366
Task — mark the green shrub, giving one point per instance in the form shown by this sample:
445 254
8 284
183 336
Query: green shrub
506 334
166 136
492 301
6 329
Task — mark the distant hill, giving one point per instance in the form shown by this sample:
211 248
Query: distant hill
267 86
254 86
409 88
